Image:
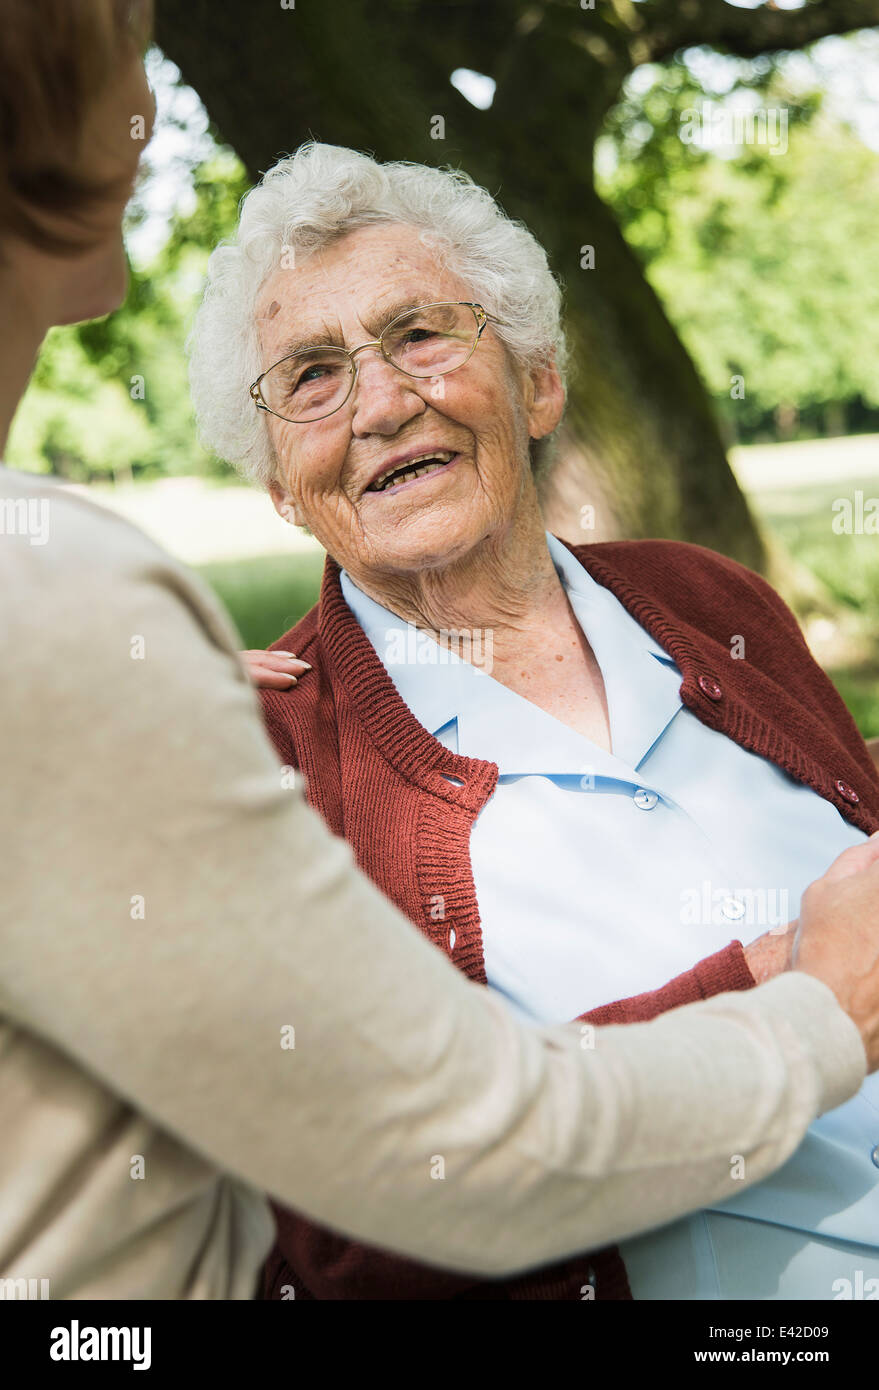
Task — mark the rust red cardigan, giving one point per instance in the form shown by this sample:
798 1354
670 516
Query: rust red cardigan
377 777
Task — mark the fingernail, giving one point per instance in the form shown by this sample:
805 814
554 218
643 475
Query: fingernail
291 656
292 679
308 667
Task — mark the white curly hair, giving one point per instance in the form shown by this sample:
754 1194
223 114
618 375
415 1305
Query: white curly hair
317 195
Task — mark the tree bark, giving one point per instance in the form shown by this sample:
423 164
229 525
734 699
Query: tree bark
640 443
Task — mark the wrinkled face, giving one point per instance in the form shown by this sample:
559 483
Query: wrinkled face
482 414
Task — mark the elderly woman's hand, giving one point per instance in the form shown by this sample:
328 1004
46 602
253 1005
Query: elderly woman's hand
772 953
273 670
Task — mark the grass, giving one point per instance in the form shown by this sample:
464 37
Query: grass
268 594
847 566
802 520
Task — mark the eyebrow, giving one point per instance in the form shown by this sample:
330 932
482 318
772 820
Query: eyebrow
329 337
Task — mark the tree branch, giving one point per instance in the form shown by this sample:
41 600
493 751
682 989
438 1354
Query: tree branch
675 24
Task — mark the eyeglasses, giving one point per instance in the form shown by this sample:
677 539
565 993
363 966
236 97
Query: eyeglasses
316 382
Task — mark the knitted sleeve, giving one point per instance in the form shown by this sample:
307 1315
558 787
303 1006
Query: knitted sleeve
311 1262
725 970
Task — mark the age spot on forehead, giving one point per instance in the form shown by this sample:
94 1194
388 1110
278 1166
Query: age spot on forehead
272 309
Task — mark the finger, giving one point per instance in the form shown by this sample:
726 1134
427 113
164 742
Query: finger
278 661
266 679
854 860
282 661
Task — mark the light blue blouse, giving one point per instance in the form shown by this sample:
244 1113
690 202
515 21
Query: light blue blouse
600 875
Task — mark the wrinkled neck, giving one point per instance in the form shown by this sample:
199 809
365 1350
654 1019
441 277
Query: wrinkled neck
505 586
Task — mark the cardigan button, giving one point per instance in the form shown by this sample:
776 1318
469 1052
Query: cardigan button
875 1155
847 792
709 687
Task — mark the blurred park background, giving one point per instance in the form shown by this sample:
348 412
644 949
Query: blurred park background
705 177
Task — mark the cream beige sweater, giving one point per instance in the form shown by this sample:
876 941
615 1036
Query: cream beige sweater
201 1000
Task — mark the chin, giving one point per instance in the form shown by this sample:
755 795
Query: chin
430 547
88 310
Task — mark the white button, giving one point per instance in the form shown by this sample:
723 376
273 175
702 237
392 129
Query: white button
875 1155
732 909
645 800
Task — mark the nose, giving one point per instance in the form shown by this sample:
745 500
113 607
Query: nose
383 398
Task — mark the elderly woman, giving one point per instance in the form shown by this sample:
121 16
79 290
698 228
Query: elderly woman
627 743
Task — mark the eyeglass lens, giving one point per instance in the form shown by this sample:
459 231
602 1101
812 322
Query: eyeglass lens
426 342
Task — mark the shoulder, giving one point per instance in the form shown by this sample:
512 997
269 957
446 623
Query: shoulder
673 567
729 615
694 584
84 575
129 687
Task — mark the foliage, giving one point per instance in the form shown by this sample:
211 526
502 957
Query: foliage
110 397
767 264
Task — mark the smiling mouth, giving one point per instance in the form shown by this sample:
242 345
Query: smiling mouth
412 469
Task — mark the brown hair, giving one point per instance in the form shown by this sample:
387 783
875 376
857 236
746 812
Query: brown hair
56 56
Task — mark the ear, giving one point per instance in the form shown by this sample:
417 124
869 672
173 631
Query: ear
544 400
285 506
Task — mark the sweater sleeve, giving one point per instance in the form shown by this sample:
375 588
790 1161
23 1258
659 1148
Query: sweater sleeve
725 970
237 1009
318 1264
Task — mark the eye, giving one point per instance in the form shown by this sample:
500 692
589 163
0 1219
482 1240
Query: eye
309 374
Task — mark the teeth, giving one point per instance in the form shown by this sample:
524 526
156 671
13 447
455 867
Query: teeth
413 470
414 473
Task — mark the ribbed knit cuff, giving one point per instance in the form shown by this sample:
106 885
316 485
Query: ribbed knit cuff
725 970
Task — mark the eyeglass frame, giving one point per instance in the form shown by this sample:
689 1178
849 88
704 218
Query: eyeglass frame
482 319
